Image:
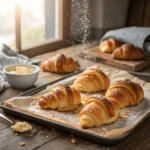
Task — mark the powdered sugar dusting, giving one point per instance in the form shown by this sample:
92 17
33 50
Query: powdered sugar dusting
81 22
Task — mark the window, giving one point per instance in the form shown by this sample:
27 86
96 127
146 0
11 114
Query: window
33 27
7 24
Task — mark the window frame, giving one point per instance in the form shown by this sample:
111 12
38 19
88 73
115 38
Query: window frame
48 45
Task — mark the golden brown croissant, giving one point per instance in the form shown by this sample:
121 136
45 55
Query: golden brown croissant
128 52
98 111
92 80
60 64
110 45
63 98
125 92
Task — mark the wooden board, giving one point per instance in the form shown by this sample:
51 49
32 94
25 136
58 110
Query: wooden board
96 55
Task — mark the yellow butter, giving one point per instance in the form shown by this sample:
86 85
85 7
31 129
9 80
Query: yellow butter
22 70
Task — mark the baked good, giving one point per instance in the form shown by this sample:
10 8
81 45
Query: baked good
63 98
21 127
128 52
92 80
110 45
125 92
98 111
60 64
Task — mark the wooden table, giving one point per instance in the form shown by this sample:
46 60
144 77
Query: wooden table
49 139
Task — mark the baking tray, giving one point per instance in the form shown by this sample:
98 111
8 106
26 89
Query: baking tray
73 129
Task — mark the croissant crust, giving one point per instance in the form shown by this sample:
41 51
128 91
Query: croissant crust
92 80
98 111
128 52
63 98
110 45
60 64
125 92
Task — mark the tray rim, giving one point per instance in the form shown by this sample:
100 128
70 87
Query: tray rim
93 137
99 139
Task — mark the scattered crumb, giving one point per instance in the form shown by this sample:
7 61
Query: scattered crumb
41 132
142 84
124 114
13 133
104 129
73 140
16 134
103 132
22 143
47 136
21 127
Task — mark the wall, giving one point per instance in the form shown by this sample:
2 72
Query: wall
139 13
108 14
100 15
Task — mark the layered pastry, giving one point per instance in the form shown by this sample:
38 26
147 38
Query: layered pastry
98 111
92 80
125 92
60 64
128 52
62 98
109 45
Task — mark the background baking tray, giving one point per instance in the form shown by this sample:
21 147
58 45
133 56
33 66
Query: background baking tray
73 129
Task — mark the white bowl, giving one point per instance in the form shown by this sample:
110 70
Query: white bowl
21 81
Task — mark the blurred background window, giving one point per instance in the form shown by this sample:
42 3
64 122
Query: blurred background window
7 23
37 20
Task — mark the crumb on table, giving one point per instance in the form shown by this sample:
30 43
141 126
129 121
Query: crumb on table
21 127
22 143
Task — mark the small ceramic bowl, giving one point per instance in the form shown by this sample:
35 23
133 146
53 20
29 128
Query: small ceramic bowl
21 81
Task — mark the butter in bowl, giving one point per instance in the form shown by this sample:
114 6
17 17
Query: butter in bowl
21 76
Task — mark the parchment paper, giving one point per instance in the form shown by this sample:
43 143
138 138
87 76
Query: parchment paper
129 117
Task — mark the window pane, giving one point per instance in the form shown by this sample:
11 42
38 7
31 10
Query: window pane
38 21
7 23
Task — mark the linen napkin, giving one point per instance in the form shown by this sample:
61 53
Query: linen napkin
9 57
138 36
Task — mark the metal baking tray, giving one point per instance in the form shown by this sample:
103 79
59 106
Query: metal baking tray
66 127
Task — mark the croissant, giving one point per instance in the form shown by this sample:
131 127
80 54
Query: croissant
125 92
110 45
91 80
60 64
98 111
63 98
128 52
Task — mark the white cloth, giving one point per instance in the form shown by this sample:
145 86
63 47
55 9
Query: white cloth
138 36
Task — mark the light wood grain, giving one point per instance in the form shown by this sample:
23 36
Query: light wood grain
106 58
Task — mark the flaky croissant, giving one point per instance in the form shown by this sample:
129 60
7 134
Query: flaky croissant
92 80
125 92
110 45
98 111
60 64
128 52
63 98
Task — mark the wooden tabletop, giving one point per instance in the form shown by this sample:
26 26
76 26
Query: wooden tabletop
42 138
